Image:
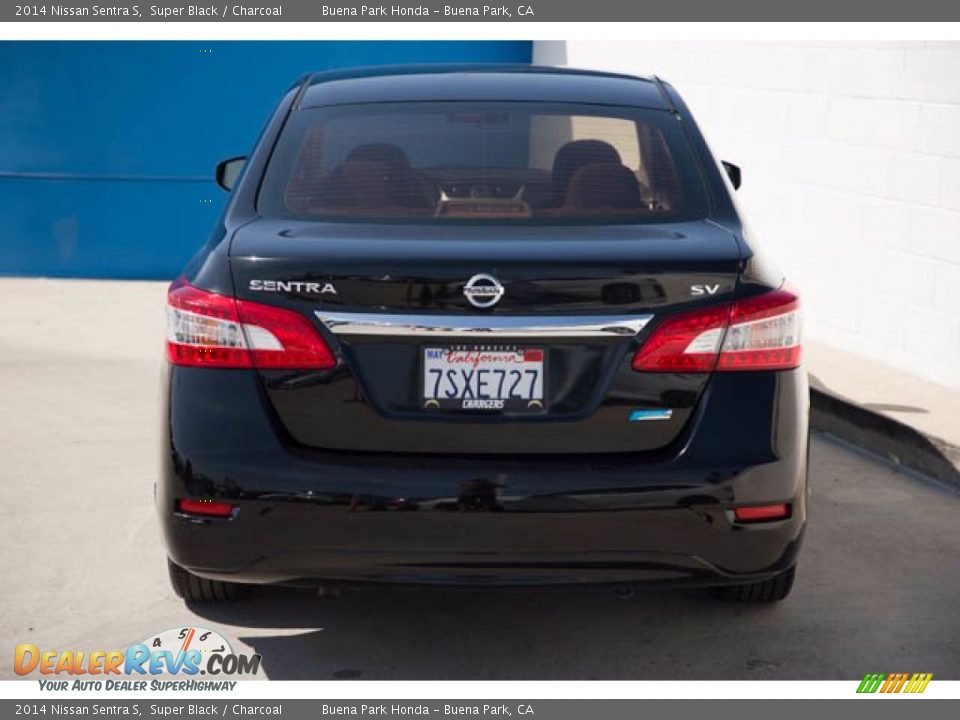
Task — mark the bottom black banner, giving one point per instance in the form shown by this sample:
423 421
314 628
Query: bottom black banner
309 709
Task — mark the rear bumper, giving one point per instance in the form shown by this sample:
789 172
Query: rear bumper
306 517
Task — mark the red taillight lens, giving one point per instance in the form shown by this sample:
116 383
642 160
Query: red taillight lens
759 513
210 330
282 339
757 333
206 508
687 342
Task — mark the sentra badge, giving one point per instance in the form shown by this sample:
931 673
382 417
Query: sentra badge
297 286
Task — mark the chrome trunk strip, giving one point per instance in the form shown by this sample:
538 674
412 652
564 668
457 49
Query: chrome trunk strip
539 326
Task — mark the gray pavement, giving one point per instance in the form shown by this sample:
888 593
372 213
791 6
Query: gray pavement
877 589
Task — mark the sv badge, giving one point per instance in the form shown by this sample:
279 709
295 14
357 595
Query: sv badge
704 289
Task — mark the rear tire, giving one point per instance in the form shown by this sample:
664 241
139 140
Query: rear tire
766 591
195 589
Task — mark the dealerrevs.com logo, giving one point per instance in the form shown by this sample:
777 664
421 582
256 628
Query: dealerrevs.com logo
186 652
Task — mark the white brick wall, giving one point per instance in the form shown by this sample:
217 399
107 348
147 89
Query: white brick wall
851 176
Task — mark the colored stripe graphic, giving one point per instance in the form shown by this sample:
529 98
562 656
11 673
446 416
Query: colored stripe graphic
898 683
870 683
894 683
919 682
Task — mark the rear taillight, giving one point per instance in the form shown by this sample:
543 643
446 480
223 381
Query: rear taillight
210 330
764 333
756 333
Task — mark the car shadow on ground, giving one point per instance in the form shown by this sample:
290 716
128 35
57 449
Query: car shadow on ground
398 633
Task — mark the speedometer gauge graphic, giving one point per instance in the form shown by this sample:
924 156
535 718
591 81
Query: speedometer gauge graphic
182 639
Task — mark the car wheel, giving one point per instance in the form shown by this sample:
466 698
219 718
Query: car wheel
766 591
195 589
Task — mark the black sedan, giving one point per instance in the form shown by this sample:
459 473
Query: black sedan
482 325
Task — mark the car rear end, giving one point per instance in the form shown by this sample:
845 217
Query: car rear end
494 341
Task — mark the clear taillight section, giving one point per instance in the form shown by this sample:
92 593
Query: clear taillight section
756 333
206 329
203 329
764 333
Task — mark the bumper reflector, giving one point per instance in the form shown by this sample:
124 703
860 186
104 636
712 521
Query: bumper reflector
206 508
760 513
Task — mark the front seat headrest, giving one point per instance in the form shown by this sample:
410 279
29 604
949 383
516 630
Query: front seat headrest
390 155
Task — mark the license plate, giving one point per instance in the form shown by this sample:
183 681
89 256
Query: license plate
488 378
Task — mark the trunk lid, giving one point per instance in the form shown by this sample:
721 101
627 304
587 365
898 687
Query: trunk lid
372 289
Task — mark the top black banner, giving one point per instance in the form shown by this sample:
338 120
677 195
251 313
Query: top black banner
459 11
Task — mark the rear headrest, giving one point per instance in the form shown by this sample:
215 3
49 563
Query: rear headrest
574 155
603 186
365 183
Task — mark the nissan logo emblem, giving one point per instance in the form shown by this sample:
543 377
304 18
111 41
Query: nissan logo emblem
483 291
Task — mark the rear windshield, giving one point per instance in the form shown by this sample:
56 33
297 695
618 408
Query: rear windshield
483 162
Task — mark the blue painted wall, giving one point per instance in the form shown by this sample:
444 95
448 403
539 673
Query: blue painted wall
107 149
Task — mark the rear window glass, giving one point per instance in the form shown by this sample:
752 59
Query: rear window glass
483 162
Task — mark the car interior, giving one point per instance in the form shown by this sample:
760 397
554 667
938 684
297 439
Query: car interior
588 178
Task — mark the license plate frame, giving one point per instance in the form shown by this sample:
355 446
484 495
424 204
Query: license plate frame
529 396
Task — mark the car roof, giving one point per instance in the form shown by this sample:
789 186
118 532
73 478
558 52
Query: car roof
416 83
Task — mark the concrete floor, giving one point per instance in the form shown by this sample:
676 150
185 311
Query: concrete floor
83 568
929 408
